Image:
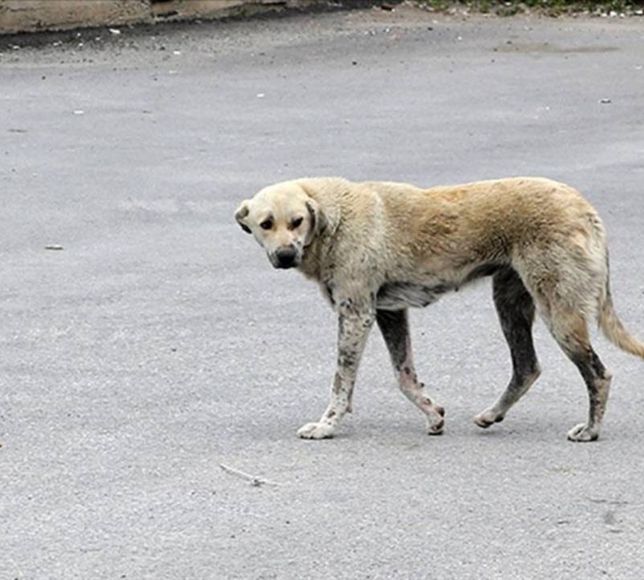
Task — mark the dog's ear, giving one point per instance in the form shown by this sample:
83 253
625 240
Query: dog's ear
325 213
318 219
240 215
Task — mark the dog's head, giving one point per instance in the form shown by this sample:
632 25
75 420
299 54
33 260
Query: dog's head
284 219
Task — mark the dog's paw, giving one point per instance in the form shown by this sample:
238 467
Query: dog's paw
315 431
582 433
487 418
436 421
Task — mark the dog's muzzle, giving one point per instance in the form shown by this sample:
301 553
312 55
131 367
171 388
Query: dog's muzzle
285 257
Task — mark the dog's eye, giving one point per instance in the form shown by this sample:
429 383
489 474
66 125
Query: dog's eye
297 222
266 224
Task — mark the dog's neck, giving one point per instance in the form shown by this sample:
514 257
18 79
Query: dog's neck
317 261
311 265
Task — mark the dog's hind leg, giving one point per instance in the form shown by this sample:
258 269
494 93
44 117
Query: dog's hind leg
567 284
394 326
570 330
515 309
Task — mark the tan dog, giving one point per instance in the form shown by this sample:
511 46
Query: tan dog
377 249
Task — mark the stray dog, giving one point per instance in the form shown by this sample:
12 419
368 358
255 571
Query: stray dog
378 248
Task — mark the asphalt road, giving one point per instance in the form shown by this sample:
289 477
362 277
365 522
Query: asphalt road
159 343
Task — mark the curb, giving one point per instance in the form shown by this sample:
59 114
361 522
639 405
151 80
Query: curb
17 16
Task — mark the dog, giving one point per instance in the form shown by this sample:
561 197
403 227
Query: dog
379 248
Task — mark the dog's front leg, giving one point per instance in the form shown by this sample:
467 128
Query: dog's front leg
355 319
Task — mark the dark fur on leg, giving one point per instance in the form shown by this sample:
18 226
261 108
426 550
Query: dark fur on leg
394 326
516 310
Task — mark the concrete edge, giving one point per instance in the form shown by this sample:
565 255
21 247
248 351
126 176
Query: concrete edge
29 16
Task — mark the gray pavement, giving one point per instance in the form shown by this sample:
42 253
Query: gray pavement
159 343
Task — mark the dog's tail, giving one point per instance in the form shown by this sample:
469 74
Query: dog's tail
612 326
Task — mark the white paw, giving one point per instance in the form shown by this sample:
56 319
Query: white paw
487 418
315 431
582 433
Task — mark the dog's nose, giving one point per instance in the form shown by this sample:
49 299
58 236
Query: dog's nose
286 257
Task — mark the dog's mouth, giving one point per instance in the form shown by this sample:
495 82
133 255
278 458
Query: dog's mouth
285 264
285 258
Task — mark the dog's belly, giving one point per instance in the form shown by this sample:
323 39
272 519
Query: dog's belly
399 295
